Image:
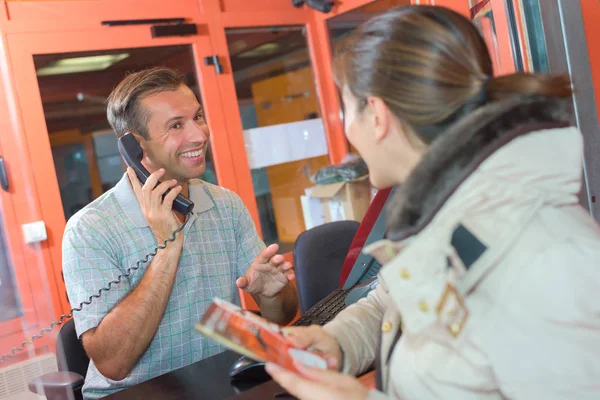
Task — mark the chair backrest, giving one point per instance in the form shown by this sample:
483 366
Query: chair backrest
69 351
319 254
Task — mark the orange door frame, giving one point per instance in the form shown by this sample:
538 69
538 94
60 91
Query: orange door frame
26 141
18 206
461 6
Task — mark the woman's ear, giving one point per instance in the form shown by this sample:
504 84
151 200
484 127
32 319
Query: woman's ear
381 117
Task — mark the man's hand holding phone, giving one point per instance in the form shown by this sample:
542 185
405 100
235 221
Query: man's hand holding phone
158 211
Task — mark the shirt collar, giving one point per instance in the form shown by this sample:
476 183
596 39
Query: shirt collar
125 196
200 196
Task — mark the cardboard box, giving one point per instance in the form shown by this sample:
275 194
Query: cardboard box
336 202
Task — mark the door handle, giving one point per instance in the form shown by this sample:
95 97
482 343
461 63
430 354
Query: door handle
214 60
3 176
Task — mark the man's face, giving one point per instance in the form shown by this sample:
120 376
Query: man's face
178 134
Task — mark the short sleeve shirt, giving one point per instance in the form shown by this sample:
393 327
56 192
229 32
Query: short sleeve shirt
111 235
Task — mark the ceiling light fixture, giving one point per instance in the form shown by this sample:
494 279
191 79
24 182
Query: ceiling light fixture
81 64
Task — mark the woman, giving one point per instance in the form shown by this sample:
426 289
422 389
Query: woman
490 261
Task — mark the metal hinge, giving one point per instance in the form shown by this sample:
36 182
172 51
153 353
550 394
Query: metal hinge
3 176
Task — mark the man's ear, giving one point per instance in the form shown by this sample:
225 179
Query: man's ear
146 162
381 117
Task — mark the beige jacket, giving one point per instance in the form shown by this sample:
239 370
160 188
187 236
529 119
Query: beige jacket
518 317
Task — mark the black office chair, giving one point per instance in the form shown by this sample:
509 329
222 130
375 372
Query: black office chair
72 367
319 255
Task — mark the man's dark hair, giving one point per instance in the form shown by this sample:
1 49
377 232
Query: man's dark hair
123 109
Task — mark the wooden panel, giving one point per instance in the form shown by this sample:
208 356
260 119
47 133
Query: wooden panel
286 98
65 138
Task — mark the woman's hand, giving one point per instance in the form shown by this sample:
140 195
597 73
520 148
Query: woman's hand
318 384
315 338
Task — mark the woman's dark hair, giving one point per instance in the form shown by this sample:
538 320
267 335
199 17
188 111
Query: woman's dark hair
430 66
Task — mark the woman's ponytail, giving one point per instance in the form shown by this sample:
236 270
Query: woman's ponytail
506 86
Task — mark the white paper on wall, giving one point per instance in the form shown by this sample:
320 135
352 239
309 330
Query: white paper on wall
278 144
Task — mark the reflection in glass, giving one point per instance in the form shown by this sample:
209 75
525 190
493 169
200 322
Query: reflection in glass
73 177
9 298
74 88
110 163
534 32
283 132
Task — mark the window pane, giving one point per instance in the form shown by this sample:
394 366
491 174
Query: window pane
283 131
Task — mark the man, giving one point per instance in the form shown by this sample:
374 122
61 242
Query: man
144 326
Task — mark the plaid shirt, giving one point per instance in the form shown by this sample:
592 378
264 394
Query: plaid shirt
111 235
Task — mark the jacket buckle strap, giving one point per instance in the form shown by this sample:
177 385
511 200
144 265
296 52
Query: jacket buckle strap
451 311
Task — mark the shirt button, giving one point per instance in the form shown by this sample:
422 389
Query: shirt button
455 328
423 306
404 273
386 327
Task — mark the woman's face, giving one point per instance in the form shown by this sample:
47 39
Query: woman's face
380 139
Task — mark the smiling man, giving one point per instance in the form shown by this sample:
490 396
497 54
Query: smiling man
144 326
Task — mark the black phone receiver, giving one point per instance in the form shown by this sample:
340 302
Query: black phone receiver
132 153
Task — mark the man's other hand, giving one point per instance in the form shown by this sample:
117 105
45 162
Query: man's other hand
268 274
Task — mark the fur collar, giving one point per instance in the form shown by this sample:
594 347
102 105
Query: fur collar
457 153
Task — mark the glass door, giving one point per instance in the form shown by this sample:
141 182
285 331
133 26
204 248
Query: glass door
283 131
274 73
61 82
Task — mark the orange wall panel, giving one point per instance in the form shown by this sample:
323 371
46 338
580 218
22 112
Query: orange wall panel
461 6
240 6
591 16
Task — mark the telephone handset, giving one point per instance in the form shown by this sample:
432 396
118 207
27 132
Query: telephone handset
132 153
